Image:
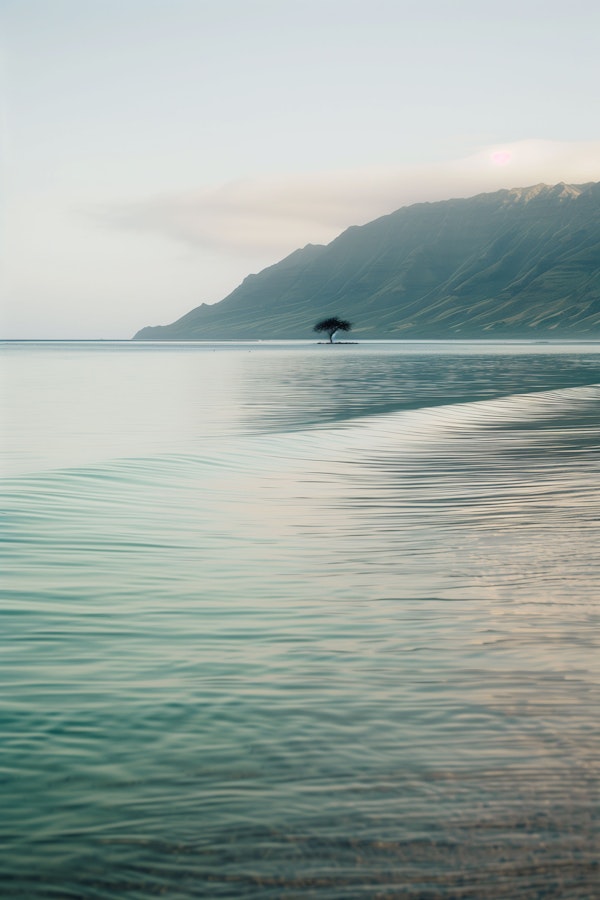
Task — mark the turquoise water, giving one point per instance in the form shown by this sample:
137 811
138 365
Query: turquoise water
291 621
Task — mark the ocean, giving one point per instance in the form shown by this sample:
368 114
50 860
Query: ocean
289 620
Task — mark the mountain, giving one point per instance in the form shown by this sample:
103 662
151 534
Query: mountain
521 263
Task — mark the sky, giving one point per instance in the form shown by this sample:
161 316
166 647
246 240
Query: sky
155 152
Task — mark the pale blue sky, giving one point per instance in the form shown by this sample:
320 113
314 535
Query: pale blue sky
154 152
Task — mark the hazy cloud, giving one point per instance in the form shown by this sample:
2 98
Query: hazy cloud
277 214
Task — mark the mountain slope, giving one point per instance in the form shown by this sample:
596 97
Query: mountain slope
516 263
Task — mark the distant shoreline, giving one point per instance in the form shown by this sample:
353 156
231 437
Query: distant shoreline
266 341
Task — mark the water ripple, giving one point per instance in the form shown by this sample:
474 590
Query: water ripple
345 661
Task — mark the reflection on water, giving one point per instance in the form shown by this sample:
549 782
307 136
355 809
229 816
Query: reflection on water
352 659
70 404
342 383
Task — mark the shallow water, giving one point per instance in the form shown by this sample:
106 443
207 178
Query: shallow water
286 621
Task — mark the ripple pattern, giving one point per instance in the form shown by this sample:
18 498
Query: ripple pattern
354 660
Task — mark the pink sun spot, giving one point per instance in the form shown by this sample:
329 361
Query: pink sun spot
501 157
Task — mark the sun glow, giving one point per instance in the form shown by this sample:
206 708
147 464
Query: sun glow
501 157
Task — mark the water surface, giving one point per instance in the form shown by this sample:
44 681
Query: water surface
286 620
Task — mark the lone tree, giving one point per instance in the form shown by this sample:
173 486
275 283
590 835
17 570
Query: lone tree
332 325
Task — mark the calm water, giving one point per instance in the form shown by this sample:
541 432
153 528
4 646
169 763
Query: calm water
292 621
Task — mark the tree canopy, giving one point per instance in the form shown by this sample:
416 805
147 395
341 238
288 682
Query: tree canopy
331 325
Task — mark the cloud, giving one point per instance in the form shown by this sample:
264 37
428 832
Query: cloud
280 213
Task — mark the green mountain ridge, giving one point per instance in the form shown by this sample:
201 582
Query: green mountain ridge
520 263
